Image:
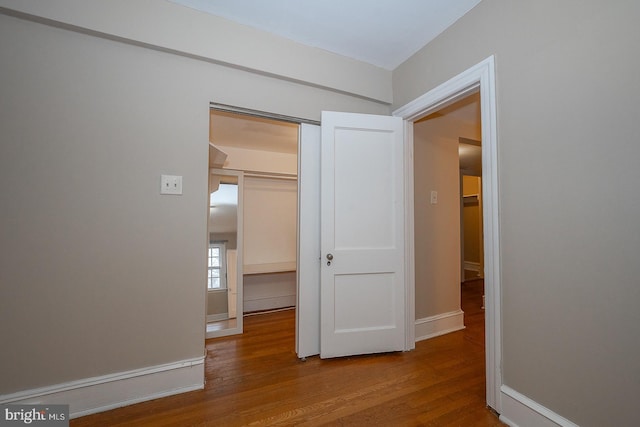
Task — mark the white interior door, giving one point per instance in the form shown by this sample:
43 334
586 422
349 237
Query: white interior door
362 284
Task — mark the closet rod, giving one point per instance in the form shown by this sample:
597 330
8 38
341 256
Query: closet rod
272 175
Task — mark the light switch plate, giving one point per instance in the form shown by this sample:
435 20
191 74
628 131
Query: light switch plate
434 197
171 184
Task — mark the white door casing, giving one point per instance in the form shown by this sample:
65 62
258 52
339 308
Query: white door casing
480 77
362 217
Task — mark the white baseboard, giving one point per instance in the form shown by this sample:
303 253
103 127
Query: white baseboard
269 303
97 394
269 291
430 327
520 411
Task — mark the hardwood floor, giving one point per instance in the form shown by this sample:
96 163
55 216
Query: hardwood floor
257 380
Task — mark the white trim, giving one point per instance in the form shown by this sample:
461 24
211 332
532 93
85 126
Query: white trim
480 77
97 394
518 410
409 240
217 333
269 303
217 317
434 326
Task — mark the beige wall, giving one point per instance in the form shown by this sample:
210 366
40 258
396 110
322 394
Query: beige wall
217 303
567 90
169 27
270 222
231 239
270 243
437 226
88 126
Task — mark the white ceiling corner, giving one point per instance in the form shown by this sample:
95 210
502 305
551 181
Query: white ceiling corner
384 33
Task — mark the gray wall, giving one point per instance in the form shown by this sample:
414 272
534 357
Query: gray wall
568 87
99 273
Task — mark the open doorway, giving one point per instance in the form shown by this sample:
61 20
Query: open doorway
262 152
449 284
441 163
471 230
479 78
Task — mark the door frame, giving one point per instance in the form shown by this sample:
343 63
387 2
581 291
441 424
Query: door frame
480 77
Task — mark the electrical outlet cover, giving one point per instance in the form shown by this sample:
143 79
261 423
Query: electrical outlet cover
171 184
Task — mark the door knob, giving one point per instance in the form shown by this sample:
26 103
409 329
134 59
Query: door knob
329 257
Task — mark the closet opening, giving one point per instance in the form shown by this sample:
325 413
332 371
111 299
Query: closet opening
253 198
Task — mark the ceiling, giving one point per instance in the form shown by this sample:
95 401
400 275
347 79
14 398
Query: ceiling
383 33
252 133
223 209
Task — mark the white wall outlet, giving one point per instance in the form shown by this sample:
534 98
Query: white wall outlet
171 184
434 197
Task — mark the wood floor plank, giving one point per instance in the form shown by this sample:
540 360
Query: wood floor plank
256 379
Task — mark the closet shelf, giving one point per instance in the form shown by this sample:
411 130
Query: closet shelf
279 267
